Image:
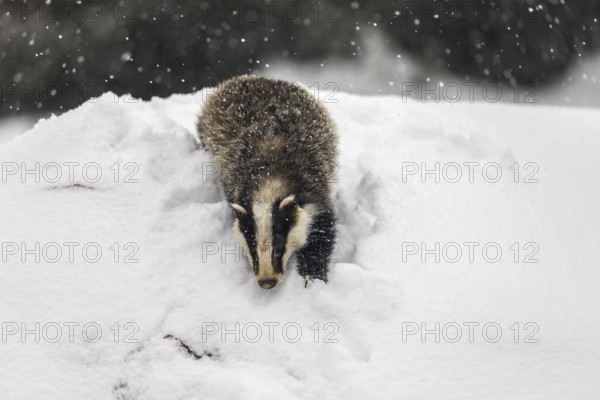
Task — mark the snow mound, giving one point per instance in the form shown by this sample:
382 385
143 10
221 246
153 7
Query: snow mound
182 317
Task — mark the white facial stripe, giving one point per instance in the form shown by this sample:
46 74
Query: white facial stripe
269 191
263 219
239 237
299 233
264 238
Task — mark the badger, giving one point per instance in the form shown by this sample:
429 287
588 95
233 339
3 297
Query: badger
276 148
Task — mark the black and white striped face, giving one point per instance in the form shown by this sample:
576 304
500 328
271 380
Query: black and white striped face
269 234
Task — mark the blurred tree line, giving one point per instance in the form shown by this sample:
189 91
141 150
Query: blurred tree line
55 54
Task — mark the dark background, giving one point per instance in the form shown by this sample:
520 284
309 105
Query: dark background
56 54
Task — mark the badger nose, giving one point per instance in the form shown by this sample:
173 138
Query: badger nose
267 283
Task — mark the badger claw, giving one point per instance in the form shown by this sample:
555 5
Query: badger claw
307 280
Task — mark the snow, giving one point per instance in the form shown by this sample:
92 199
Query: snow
166 210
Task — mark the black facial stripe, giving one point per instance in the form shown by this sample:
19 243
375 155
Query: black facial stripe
283 220
248 229
300 198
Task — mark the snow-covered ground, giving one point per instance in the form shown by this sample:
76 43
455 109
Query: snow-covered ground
157 202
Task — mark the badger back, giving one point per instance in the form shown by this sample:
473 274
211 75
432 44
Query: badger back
256 127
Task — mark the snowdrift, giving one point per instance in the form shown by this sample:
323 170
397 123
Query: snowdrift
466 268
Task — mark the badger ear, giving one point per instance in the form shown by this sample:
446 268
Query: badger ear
287 202
238 208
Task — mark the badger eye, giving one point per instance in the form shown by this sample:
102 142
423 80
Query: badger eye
278 244
278 251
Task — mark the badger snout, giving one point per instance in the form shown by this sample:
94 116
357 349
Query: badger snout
267 283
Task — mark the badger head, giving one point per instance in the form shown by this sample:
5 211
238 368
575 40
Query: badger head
270 232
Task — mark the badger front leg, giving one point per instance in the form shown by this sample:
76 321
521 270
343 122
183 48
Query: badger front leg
313 258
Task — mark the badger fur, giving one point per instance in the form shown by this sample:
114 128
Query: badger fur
276 148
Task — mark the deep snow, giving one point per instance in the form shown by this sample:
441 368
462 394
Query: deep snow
175 212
